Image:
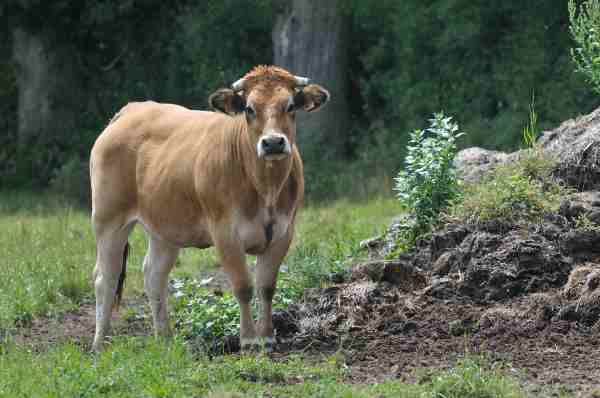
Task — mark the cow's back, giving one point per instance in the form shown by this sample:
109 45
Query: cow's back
132 148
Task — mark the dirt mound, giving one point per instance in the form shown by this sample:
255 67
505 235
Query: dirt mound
473 163
527 293
384 332
578 300
492 261
575 144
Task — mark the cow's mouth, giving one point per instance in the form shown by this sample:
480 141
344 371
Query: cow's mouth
276 156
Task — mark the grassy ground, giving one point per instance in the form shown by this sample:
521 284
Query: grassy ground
137 367
46 264
48 252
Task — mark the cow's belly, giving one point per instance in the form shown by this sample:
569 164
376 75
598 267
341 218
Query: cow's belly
179 234
255 235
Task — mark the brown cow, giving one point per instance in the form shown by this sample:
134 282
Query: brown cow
230 179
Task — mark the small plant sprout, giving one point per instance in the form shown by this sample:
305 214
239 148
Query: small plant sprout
530 133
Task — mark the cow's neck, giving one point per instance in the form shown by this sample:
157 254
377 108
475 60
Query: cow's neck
267 177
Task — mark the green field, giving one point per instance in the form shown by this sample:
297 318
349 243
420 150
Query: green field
47 259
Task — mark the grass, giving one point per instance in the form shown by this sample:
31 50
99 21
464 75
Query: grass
46 264
48 252
142 367
522 190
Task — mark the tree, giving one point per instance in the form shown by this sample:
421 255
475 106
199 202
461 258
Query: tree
68 55
309 40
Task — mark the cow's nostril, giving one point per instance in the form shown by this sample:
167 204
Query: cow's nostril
273 144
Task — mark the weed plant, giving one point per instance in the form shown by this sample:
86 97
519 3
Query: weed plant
428 183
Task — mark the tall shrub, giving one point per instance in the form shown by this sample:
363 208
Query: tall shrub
428 183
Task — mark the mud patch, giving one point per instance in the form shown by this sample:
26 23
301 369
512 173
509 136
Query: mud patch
386 333
78 326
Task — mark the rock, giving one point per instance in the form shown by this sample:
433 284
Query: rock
576 146
444 263
473 163
399 272
381 246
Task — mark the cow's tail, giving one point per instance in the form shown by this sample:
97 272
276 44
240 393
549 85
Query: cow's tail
119 292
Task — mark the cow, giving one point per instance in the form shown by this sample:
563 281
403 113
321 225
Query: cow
230 178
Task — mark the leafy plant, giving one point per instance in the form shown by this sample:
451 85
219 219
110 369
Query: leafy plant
428 183
203 315
584 223
585 30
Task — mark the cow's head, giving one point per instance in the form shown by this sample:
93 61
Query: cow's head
269 97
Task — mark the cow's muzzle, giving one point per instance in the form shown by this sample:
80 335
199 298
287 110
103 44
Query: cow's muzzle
273 146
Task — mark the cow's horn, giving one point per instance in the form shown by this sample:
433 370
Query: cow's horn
301 81
238 85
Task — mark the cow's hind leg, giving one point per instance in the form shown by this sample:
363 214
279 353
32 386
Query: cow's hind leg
267 268
159 261
111 241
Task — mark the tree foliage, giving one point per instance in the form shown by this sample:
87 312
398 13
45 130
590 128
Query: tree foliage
585 30
477 60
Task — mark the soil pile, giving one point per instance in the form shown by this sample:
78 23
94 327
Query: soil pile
523 292
575 144
482 264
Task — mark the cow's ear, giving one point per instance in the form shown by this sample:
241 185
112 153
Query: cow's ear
311 98
227 101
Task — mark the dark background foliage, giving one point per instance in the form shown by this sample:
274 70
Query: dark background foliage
477 60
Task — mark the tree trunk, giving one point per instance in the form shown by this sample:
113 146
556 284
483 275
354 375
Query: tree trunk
50 93
309 40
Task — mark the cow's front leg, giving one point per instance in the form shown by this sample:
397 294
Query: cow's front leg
267 268
158 262
233 260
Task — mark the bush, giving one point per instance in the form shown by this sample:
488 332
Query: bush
429 183
585 30
72 182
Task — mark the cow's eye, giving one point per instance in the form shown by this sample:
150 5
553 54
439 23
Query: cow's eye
249 111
